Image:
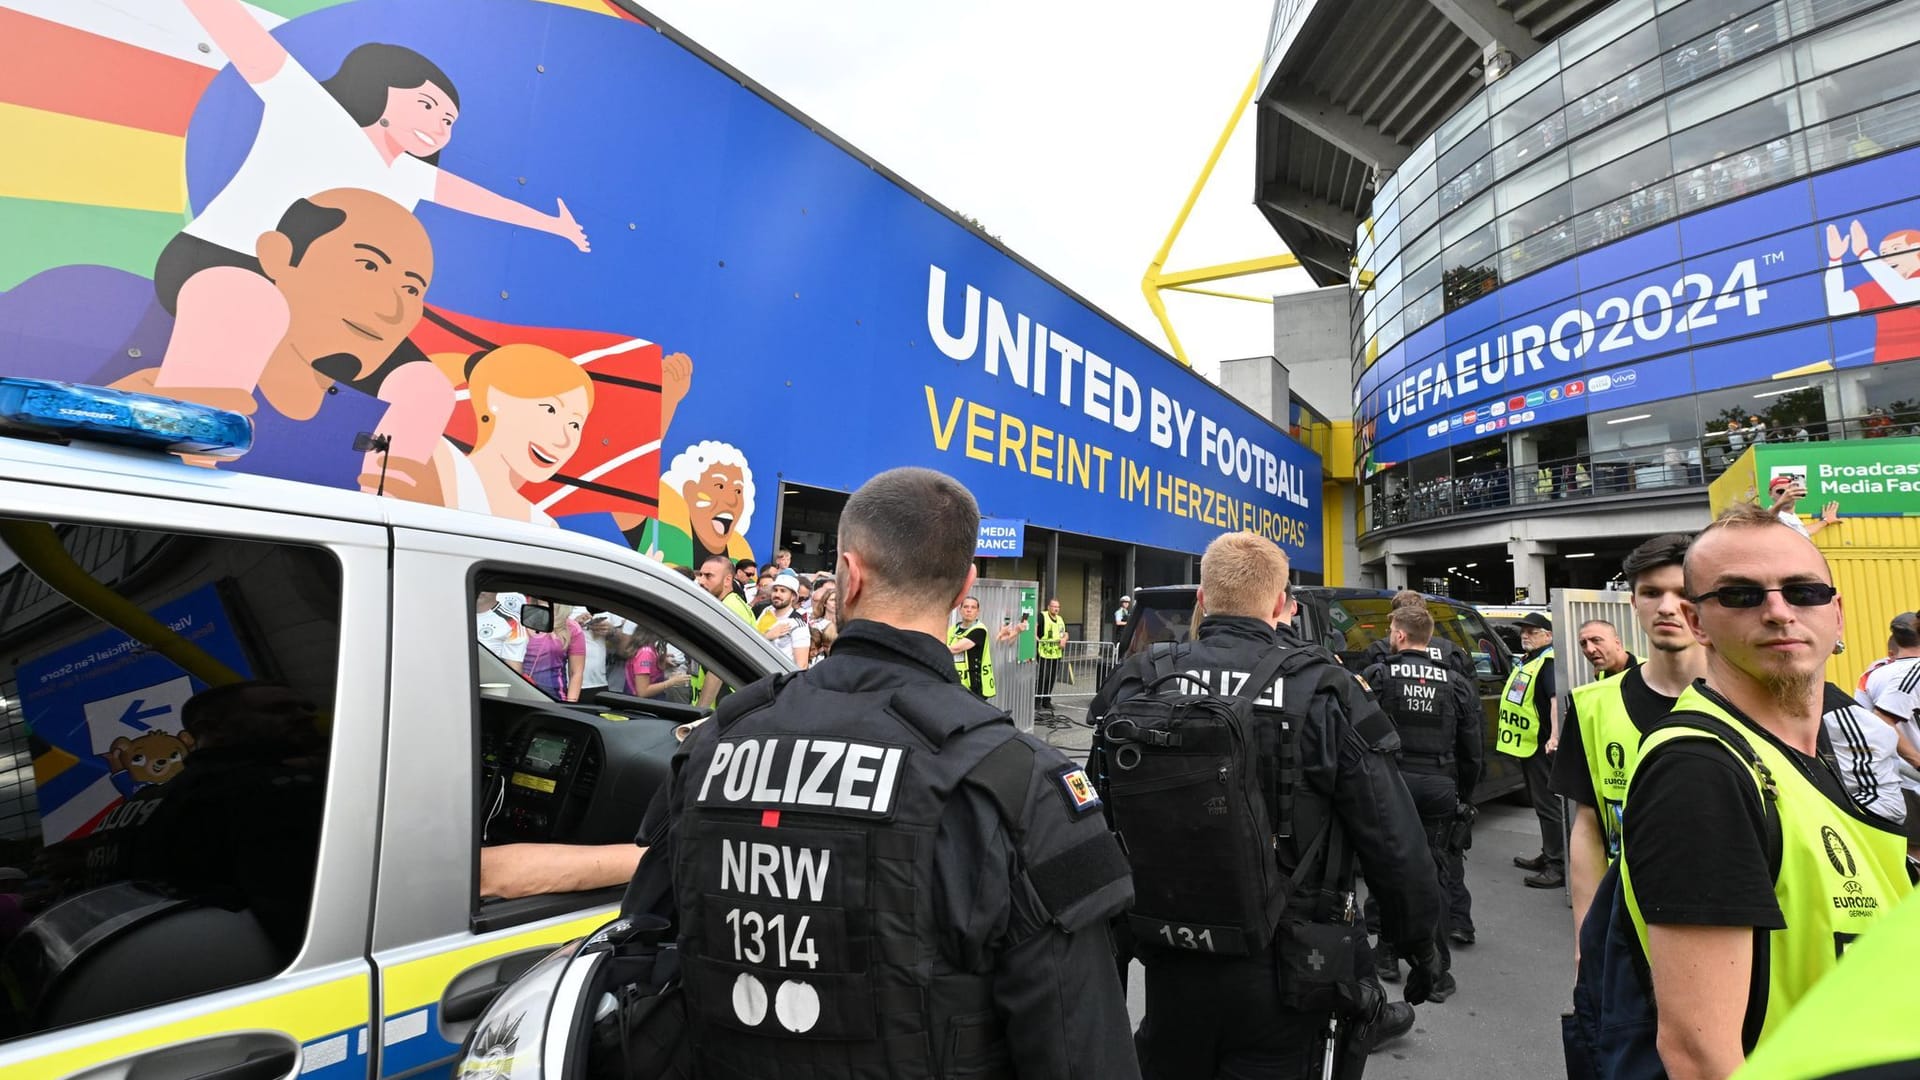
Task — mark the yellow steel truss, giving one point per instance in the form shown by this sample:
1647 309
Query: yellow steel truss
1158 278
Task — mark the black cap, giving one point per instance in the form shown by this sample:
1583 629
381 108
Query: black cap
1536 620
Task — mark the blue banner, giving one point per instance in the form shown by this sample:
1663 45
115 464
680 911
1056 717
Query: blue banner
1776 285
644 295
1001 538
108 709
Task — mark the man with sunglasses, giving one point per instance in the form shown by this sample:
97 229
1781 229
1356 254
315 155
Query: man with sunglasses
1745 868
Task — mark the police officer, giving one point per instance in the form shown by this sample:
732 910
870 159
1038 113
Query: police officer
1217 1015
1527 706
1440 648
873 874
1745 867
1438 715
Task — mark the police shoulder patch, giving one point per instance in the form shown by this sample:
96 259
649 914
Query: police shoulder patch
1077 789
1364 684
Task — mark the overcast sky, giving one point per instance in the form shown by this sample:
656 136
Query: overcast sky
1072 129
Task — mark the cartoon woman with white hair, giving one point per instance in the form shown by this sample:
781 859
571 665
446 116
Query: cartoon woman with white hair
706 505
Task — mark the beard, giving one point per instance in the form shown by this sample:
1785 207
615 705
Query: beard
1672 646
1789 690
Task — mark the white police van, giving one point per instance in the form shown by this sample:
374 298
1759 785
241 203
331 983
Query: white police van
267 807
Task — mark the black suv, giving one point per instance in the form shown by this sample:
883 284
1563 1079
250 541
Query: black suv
1346 621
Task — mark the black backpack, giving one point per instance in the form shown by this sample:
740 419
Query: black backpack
1185 792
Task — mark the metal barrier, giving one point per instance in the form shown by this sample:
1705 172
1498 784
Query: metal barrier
1078 674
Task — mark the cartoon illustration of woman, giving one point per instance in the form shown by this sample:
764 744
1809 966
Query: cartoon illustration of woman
530 405
379 124
706 506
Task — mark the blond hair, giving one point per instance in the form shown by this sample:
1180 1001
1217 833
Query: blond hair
1741 515
522 371
1243 574
1408 598
1415 622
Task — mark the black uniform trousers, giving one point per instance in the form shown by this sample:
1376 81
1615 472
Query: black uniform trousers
1538 771
1219 1018
1435 795
1049 669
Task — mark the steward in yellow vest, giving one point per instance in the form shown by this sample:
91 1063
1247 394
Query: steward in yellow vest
1520 718
1810 873
971 644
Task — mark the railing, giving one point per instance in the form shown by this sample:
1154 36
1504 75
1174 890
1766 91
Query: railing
1690 463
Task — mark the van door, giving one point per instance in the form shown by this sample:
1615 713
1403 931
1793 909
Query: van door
193 702
500 843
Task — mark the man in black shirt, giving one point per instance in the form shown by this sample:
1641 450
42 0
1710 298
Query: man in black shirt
1599 642
1643 696
1733 938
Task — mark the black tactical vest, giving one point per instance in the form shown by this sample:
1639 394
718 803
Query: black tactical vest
803 878
1417 697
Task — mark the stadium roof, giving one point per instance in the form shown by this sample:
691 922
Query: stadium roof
1352 86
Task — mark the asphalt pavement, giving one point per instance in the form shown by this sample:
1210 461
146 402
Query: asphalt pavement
1504 1023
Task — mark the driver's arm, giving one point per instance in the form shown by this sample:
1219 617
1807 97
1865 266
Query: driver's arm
512 871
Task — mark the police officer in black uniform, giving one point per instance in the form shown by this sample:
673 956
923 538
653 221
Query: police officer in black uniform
1439 648
1215 1015
1438 715
873 874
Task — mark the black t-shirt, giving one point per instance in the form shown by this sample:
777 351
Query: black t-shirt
972 679
1697 836
1645 706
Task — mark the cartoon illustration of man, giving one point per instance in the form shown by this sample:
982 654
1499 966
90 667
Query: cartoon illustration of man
352 269
379 123
706 506
1895 273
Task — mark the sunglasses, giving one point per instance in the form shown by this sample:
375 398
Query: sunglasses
1799 594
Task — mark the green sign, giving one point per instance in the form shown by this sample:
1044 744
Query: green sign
1867 477
1029 600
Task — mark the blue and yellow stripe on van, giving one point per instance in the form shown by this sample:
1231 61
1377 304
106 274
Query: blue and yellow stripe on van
413 1042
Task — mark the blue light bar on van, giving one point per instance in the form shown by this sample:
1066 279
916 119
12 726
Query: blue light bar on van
70 411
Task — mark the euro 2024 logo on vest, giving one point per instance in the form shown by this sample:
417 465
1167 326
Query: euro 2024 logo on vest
1837 852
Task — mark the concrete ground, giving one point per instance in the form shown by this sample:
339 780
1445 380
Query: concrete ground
1504 1023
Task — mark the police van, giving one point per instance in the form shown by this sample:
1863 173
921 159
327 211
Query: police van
268 805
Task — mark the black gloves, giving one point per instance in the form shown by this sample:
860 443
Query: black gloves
1423 963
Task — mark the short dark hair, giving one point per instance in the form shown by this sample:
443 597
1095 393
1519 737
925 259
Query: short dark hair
688 571
1669 549
916 530
1905 630
1415 622
306 221
745 564
204 710
370 70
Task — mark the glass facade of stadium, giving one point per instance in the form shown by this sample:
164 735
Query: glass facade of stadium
1682 226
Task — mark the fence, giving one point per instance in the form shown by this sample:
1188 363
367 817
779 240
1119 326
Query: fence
1002 603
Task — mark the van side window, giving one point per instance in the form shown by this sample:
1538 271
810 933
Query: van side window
582 697
167 707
